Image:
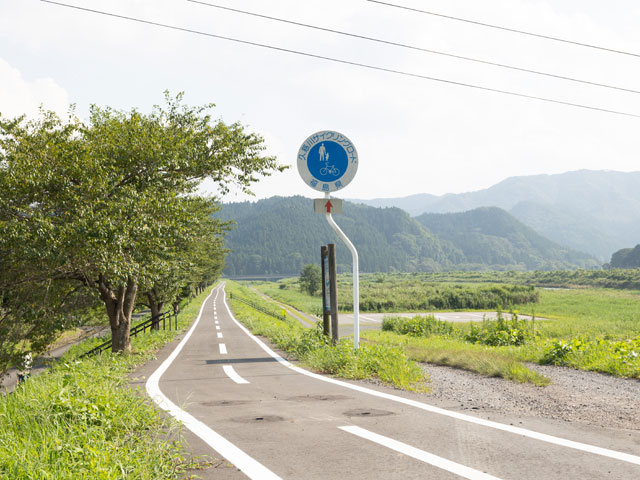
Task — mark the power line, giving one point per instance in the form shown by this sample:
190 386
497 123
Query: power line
513 30
412 47
345 62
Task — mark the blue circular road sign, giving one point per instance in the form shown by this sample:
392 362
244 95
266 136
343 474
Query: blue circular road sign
327 161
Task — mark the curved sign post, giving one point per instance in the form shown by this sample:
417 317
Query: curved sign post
327 162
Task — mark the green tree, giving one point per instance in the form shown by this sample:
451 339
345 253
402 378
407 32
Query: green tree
102 203
310 279
196 261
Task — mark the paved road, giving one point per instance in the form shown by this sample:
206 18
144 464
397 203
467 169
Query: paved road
274 420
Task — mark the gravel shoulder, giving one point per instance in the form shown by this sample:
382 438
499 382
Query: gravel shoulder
577 396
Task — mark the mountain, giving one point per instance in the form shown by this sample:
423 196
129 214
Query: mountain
491 236
593 211
280 235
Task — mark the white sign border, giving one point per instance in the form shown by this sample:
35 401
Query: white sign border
324 136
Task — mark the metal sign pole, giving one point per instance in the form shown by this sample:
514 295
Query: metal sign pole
356 282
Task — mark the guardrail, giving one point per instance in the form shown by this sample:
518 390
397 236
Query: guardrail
165 318
255 306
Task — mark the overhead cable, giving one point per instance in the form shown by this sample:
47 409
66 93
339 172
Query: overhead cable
508 29
412 47
345 62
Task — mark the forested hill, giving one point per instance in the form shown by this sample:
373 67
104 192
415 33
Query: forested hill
491 236
281 234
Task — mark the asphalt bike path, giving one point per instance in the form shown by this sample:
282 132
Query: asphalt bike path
273 420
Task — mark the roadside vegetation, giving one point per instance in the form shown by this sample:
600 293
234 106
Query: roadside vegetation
402 293
587 328
385 362
622 279
81 420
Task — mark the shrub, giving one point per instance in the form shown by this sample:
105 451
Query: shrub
501 332
418 326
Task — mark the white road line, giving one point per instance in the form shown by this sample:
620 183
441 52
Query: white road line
217 327
219 334
223 348
584 447
250 467
231 373
430 458
217 322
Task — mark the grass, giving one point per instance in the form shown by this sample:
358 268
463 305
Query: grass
586 328
458 354
80 421
291 295
378 293
587 312
387 363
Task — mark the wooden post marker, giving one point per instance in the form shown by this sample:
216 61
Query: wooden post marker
333 291
326 302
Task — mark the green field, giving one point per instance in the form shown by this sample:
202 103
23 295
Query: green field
583 327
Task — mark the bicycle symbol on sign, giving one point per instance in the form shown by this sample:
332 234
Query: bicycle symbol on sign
327 169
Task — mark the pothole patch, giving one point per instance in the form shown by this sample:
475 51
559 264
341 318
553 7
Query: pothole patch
367 412
225 403
258 419
318 398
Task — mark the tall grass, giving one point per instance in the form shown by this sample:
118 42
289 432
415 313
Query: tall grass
80 421
380 293
456 353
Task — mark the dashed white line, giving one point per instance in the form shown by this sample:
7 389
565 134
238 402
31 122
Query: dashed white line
223 348
219 334
249 466
430 458
233 375
217 327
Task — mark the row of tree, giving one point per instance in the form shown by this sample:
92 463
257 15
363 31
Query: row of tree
104 214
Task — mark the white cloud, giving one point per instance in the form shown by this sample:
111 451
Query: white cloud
22 97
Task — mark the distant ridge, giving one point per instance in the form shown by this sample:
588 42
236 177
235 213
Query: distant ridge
594 211
491 236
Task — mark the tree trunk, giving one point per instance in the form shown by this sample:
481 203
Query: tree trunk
156 307
119 302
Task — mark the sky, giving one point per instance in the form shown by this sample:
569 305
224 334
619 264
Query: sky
412 135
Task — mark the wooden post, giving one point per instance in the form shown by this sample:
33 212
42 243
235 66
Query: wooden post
326 303
333 292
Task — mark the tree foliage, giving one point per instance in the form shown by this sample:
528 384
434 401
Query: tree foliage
626 258
111 204
311 279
